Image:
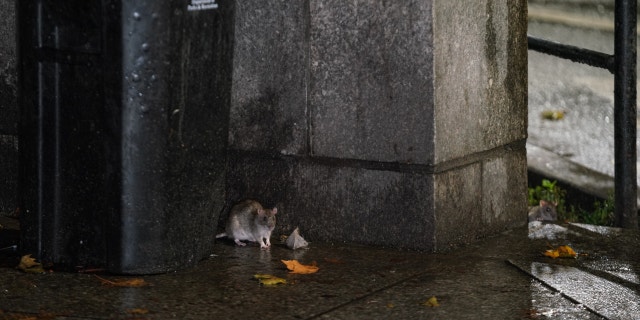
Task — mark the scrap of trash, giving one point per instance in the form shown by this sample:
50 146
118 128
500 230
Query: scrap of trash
296 241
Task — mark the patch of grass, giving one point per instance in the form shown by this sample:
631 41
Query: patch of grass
549 191
603 213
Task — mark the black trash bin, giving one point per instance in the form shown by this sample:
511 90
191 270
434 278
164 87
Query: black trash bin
123 129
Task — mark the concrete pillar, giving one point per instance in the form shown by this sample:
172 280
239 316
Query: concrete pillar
392 123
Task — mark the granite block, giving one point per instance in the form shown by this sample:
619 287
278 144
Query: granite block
481 198
480 76
457 195
339 203
504 191
371 92
268 102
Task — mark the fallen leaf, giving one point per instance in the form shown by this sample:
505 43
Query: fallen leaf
566 252
129 283
432 302
269 280
561 252
553 114
29 265
297 267
138 311
552 253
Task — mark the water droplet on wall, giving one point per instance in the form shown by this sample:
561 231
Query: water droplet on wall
136 15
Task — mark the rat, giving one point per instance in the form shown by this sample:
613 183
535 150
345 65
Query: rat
546 211
248 220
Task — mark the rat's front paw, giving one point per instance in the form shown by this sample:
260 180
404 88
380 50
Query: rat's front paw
240 243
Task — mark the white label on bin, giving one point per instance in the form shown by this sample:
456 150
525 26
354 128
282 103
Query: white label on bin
197 5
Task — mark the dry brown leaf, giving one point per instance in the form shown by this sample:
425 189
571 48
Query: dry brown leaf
297 267
29 265
129 283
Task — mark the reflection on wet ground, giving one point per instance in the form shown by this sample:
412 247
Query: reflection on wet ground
501 277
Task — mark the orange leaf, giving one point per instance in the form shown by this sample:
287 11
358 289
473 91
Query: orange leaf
566 252
552 253
135 282
297 267
561 252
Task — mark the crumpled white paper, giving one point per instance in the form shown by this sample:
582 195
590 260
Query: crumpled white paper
296 241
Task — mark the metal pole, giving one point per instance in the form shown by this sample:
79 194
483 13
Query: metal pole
626 208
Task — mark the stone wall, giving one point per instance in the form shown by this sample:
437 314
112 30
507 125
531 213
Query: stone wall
384 123
392 123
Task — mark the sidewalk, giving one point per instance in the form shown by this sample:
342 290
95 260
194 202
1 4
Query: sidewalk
578 150
505 277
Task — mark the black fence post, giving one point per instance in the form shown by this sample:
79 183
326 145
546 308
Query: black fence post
626 208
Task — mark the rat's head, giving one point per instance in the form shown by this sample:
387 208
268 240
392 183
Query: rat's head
267 217
548 210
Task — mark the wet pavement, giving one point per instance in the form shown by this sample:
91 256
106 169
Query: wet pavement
504 277
579 148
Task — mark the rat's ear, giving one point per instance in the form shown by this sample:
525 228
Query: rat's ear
261 212
274 210
543 203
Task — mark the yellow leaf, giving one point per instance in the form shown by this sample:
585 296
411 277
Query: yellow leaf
269 280
553 114
29 265
272 281
432 302
297 267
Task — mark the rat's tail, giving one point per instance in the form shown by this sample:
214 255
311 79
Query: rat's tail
220 235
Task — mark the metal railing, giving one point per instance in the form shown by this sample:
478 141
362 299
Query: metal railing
623 66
